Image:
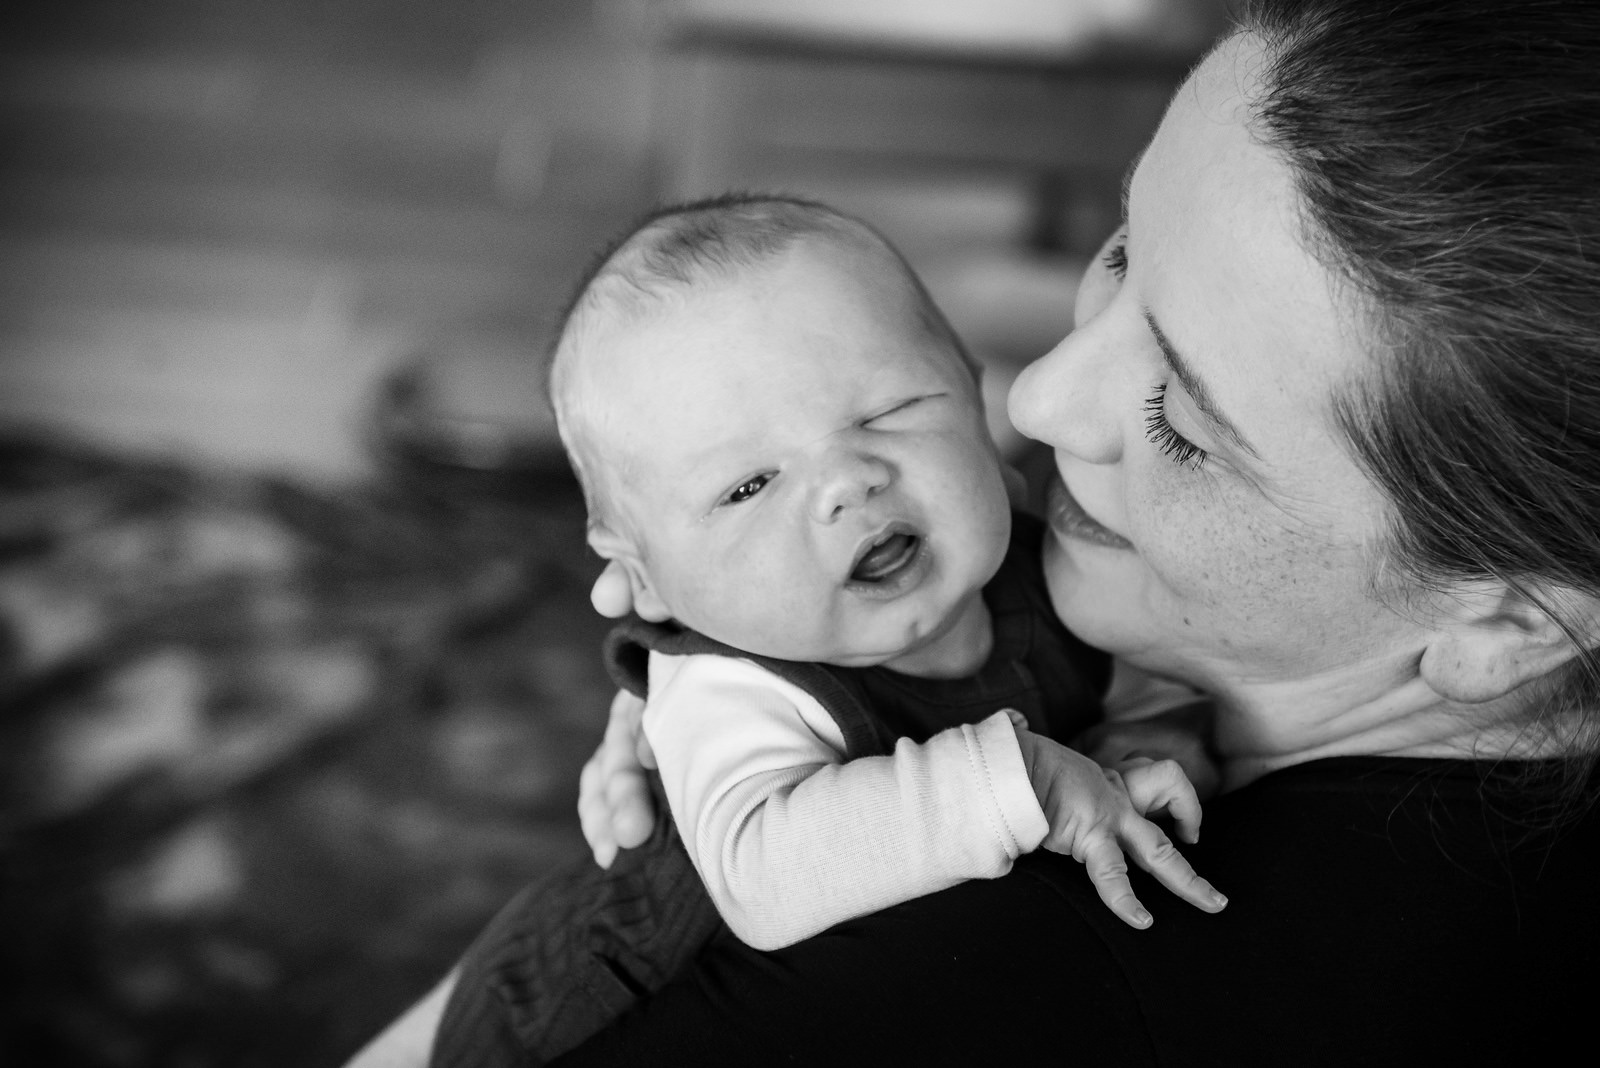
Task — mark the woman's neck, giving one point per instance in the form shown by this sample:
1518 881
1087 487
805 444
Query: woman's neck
1267 727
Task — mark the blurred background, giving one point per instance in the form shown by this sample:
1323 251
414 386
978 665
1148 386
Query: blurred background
297 665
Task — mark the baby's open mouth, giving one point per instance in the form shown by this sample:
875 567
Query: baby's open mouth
886 557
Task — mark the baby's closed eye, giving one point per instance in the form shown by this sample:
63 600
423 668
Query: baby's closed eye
901 412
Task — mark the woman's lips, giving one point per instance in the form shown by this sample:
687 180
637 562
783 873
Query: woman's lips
1068 518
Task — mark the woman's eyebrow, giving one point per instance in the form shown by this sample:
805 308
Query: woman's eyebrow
1196 389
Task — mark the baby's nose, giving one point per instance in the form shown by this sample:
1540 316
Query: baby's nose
847 480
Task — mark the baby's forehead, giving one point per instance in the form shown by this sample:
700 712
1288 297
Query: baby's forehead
723 317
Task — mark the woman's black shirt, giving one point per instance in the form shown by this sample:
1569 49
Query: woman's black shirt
1382 911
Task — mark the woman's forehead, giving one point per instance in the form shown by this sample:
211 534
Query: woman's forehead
1227 270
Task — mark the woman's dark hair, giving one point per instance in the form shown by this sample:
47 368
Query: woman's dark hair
1447 154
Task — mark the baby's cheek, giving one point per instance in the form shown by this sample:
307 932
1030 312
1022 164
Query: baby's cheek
759 598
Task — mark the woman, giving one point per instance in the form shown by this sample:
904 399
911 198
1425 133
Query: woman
1327 439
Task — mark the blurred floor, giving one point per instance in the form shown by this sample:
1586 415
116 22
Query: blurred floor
271 754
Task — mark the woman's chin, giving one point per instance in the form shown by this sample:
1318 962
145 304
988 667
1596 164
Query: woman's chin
1088 599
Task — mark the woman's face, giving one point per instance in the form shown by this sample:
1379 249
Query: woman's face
1208 521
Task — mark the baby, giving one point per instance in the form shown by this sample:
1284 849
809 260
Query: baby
852 668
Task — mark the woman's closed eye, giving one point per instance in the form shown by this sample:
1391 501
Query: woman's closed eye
1157 428
1164 436
746 489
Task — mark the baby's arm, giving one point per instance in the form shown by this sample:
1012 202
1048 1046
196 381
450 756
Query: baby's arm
789 838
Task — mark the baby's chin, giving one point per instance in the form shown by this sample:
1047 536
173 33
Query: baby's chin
954 646
917 647
831 648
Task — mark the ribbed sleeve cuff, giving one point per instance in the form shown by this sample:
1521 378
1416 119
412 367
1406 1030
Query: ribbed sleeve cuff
1016 807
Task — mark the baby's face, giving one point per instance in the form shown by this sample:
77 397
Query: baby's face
809 475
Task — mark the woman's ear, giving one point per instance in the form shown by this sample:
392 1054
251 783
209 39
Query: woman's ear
1494 637
622 553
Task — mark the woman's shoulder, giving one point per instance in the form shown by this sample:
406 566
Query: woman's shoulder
1490 835
1367 924
1380 911
1501 805
1421 907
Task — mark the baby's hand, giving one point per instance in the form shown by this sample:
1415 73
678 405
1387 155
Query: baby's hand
1160 788
614 805
1178 734
1094 816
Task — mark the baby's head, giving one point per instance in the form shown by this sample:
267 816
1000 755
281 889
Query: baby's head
779 436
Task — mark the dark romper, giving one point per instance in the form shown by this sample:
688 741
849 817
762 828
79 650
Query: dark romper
572 951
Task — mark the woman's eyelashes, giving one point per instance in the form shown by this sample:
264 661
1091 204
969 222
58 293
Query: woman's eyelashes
747 489
1179 449
1115 258
1162 434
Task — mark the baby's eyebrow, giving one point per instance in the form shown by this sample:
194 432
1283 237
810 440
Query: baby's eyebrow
1196 388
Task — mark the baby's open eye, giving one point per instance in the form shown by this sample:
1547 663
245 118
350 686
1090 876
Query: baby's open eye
747 489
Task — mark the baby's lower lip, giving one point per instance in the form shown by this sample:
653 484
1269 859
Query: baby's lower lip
1068 518
905 575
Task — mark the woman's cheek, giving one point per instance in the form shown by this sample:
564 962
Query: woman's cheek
1233 562
1200 533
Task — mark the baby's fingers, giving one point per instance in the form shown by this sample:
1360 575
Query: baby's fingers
1154 852
1161 786
594 814
614 808
614 804
1105 864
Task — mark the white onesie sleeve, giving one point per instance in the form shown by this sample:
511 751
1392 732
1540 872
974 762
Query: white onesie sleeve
788 837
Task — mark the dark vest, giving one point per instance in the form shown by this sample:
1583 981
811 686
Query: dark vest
1036 667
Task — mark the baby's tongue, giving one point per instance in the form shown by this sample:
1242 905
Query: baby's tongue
882 559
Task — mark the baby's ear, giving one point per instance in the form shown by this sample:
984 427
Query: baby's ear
620 550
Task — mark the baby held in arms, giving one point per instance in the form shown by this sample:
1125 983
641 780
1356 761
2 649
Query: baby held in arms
854 681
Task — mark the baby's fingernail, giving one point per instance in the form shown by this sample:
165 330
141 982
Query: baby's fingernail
1218 900
1141 917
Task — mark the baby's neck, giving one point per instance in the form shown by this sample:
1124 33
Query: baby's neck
956 650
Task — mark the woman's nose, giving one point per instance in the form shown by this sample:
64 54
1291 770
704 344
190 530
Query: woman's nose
1070 399
846 479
